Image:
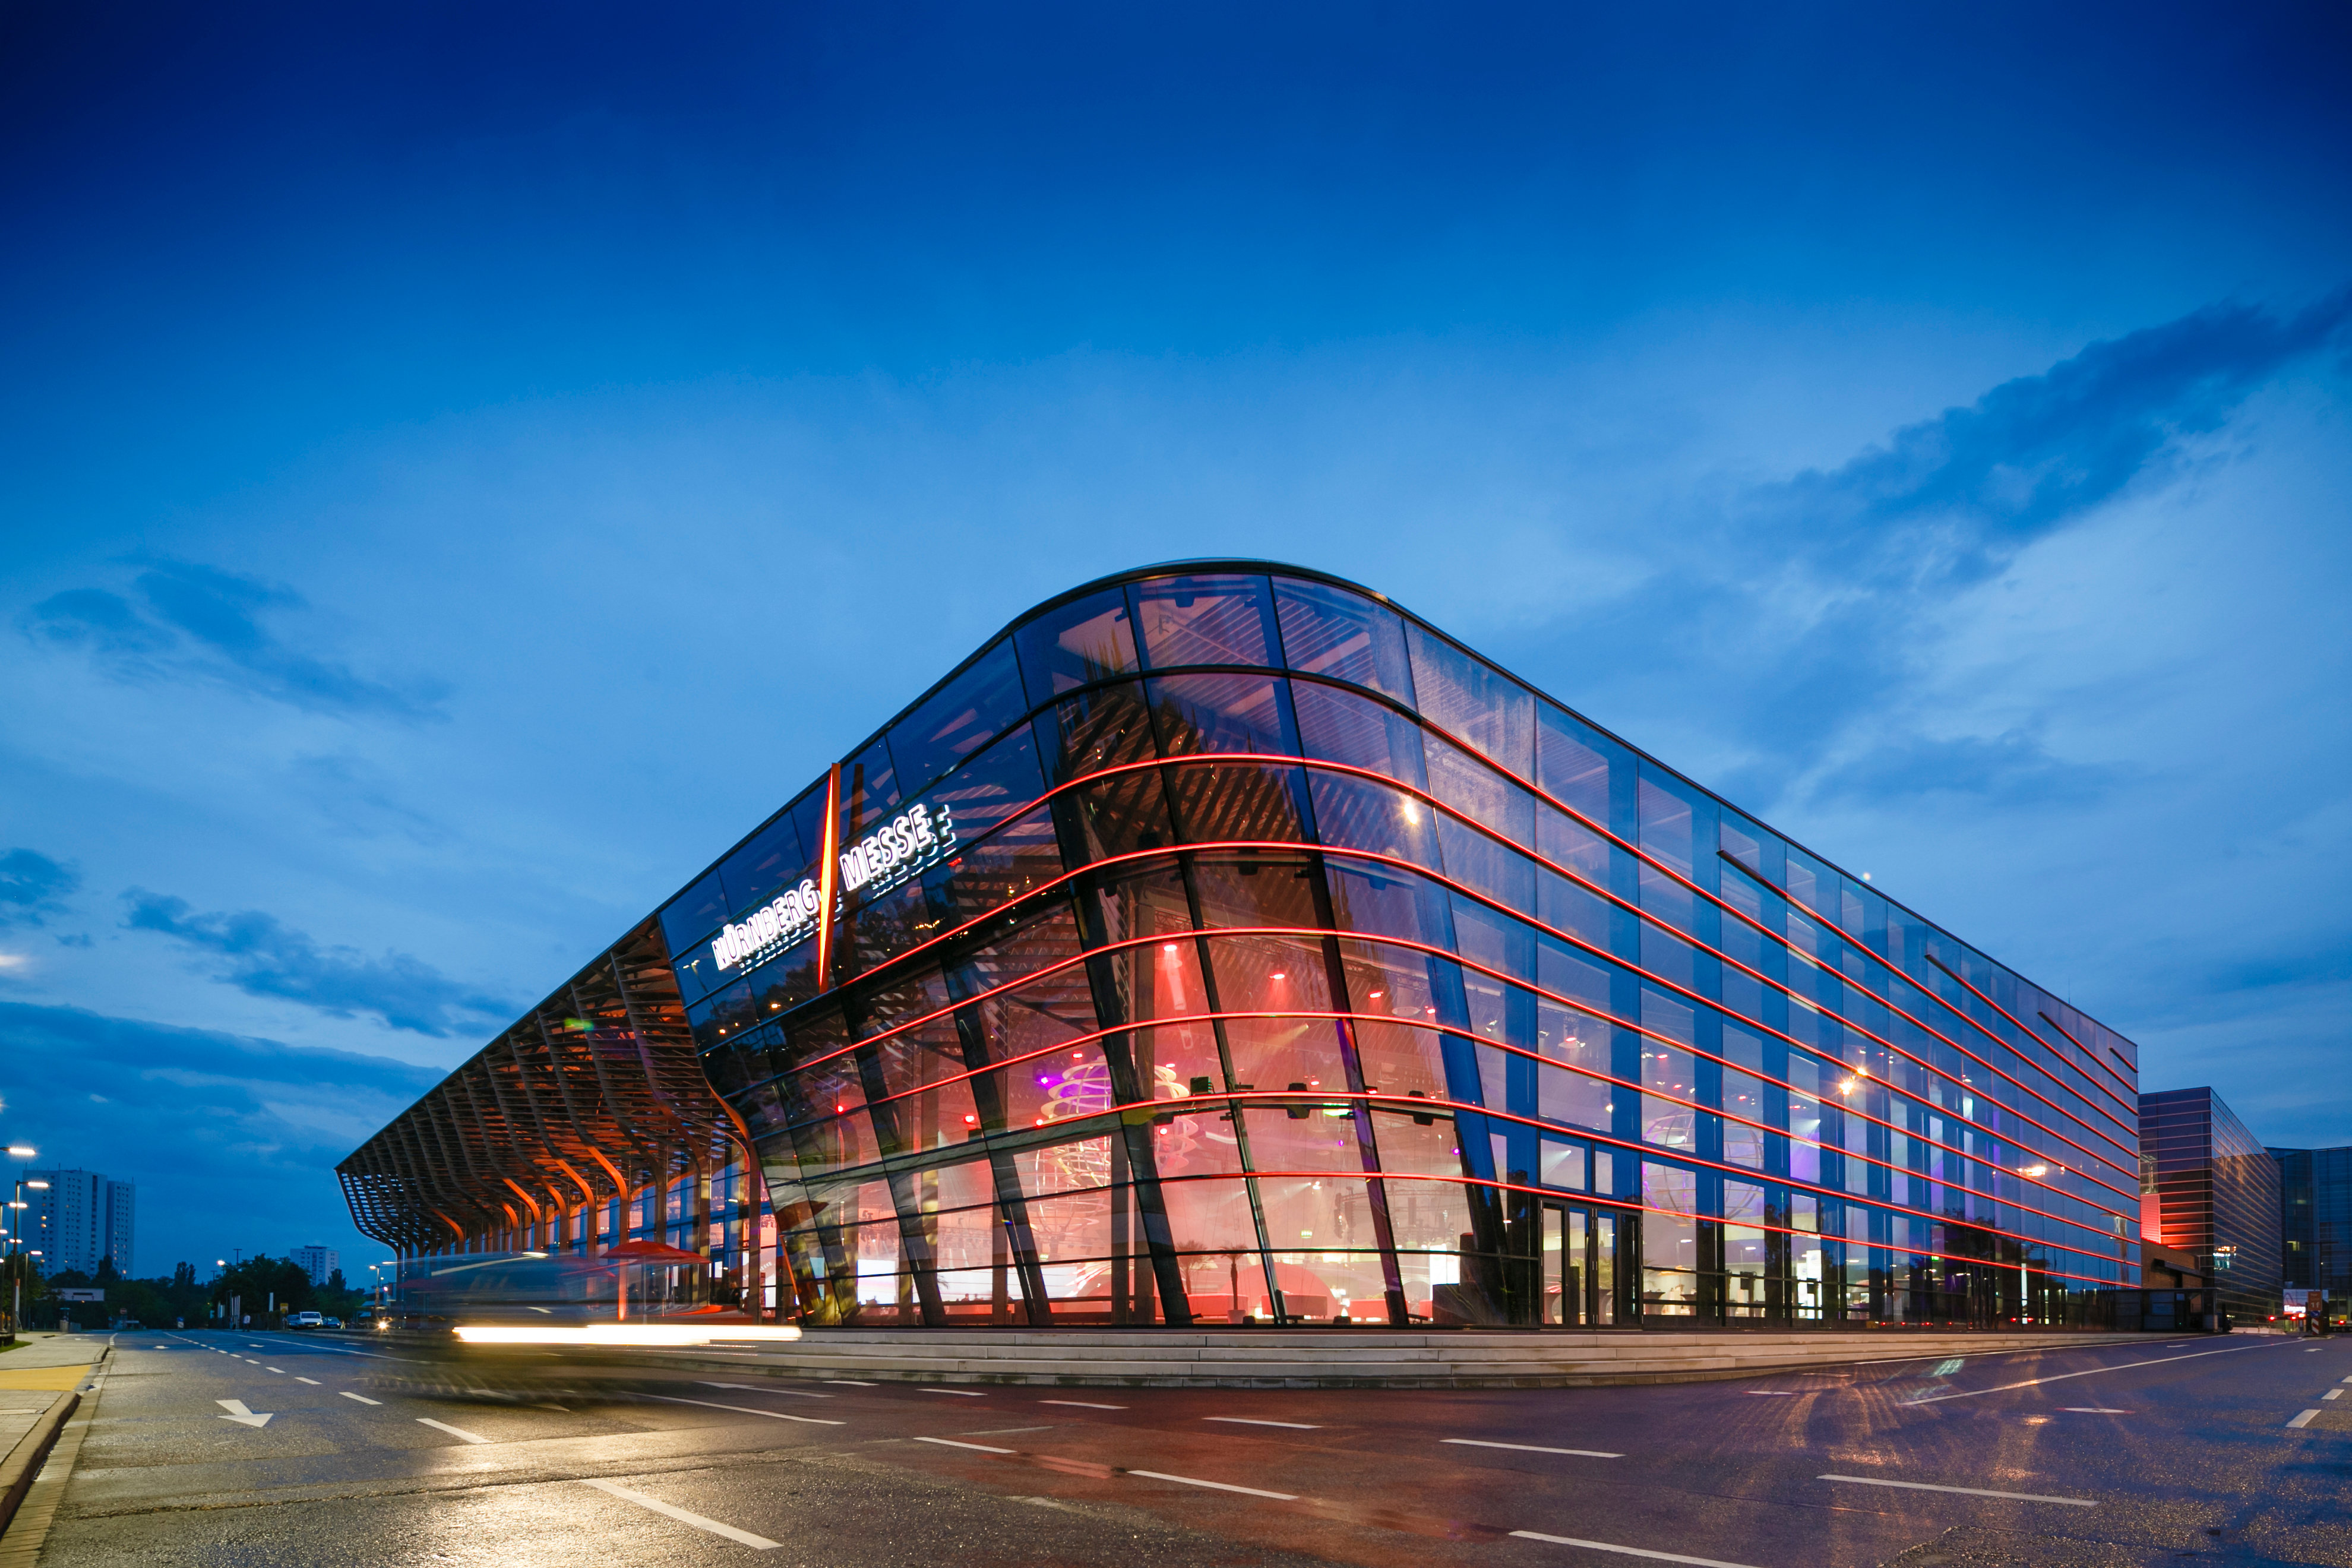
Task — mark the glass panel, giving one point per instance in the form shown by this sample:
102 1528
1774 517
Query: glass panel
868 790
1226 802
1670 1260
1083 641
695 913
1473 703
1573 762
992 786
1098 729
958 718
1480 794
1345 727
1206 620
1330 631
1666 827
1357 814
1603 1294
1227 713
758 871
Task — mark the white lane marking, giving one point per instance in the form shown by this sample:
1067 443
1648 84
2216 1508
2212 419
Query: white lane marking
243 1417
2304 1419
959 1393
739 1537
2093 1410
1252 1421
2311 1349
2093 1372
1082 1403
848 1383
362 1398
1626 1550
1531 1448
2333 1394
1774 1393
311 1381
744 1410
278 1369
1964 1491
1215 1485
763 1388
452 1431
951 1443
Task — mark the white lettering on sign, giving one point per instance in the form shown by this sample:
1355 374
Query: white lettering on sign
769 930
906 843
897 850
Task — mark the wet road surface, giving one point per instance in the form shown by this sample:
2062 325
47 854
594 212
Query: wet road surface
278 1448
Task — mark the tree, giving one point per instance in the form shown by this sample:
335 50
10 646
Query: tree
259 1279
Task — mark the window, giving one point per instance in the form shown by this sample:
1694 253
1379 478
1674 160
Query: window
1331 632
1206 620
1473 703
958 718
1075 643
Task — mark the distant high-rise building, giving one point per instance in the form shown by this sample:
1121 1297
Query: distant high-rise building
2316 1219
319 1262
81 1220
2208 1188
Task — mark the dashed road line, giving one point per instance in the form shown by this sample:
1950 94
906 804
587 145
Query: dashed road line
746 1410
362 1398
1529 1447
1252 1421
1082 1403
1216 1486
2304 1419
1626 1551
978 1447
959 1393
452 1431
1964 1491
311 1381
740 1537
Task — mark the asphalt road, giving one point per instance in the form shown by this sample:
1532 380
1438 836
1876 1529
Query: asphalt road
2174 1451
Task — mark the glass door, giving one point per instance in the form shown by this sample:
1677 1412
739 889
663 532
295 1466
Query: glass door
1579 1268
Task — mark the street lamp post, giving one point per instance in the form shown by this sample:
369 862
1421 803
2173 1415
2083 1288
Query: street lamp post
19 1152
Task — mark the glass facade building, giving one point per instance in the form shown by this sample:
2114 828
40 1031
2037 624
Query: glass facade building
2210 1189
2315 1220
1222 943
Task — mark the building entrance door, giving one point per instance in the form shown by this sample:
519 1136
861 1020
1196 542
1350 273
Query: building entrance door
1580 1263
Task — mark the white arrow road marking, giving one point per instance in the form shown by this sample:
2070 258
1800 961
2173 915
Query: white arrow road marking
241 1416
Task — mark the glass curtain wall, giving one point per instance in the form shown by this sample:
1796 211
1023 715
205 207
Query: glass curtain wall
1227 946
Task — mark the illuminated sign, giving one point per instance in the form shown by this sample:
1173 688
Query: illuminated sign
914 839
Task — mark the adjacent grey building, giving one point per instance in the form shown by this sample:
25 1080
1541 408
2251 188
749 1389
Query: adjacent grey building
2210 1189
81 1220
2316 1219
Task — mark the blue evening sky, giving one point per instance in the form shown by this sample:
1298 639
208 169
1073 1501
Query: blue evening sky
461 465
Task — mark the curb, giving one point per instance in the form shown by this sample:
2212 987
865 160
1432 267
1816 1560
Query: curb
24 1461
25 1466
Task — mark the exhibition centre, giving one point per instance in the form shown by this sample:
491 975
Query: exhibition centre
1222 944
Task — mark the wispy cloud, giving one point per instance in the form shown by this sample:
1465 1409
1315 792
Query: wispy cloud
33 886
1947 500
199 621
1801 624
262 956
